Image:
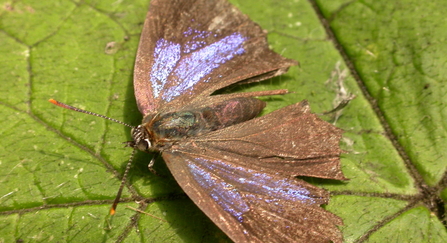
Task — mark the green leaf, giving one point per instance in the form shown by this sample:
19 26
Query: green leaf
60 169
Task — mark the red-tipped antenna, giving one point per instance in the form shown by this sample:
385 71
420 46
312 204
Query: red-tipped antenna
86 112
123 182
129 164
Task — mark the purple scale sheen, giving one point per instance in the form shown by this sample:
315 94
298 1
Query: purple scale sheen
166 56
259 183
223 193
226 182
198 33
194 67
191 46
198 39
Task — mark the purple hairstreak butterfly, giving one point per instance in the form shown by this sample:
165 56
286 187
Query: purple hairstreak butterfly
239 169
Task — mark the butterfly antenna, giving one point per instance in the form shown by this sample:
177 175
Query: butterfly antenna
86 112
129 164
123 182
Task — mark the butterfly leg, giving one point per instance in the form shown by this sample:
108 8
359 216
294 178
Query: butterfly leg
151 163
150 166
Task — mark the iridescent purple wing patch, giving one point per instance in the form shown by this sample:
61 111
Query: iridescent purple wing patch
166 57
199 61
231 185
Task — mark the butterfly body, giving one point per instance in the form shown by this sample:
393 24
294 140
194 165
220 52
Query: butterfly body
159 131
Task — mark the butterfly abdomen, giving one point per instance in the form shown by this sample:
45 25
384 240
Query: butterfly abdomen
181 124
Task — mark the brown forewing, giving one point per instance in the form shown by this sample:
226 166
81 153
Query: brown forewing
170 19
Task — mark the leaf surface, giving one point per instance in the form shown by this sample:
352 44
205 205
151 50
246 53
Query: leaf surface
60 170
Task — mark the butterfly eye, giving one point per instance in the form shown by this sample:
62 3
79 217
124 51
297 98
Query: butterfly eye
143 145
140 138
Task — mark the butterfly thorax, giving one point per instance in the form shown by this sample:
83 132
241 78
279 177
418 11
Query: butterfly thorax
160 131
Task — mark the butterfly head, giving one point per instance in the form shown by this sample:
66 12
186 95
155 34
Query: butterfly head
141 139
